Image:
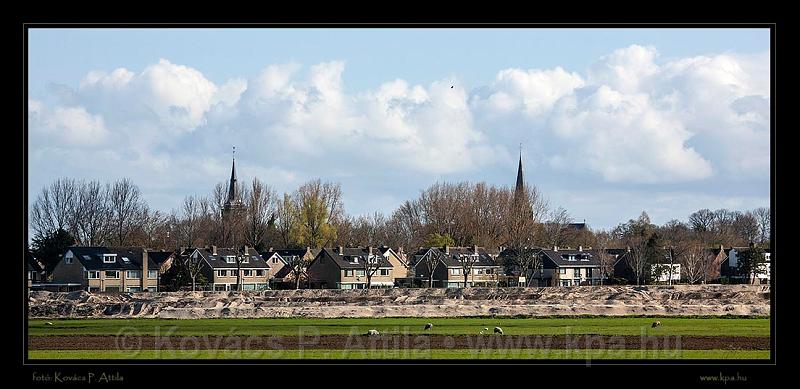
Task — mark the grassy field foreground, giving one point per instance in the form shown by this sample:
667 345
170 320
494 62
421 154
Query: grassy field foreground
442 326
579 354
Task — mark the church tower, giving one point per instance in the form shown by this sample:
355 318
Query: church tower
234 202
519 190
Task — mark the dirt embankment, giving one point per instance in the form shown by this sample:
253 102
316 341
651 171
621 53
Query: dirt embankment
744 300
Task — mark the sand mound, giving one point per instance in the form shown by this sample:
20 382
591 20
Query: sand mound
603 300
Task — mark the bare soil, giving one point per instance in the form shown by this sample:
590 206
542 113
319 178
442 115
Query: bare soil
394 342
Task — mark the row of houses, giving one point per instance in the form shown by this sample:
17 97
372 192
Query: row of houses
134 269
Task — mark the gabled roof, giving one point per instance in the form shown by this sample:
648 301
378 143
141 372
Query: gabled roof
92 258
256 261
159 257
32 262
451 256
581 257
353 257
384 250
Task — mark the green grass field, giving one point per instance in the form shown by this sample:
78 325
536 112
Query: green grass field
442 326
579 354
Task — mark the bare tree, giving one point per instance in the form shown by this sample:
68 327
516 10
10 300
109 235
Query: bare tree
467 262
286 219
191 221
260 211
298 265
92 214
54 207
432 259
126 207
675 236
603 242
764 221
370 265
556 225
637 235
694 261
194 265
746 227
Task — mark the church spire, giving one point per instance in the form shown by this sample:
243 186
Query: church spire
233 195
520 180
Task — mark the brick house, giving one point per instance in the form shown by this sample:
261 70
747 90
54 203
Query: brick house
220 267
281 274
345 268
453 262
106 269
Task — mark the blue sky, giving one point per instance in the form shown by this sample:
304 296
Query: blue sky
613 121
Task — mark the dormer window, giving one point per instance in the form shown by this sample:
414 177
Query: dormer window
230 259
109 258
245 259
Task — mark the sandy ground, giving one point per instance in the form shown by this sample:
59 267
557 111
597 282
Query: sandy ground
745 300
394 342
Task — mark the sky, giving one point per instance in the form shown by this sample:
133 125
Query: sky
612 122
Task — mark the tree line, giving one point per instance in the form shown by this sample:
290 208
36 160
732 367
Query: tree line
91 213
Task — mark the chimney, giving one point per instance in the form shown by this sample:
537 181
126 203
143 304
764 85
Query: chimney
628 248
370 250
447 249
144 270
580 248
475 248
271 250
213 250
399 249
555 248
246 251
183 248
341 250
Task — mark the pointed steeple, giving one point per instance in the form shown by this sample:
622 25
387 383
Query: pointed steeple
520 180
233 195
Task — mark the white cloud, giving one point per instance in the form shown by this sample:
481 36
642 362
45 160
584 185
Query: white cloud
71 125
628 119
625 139
532 91
625 69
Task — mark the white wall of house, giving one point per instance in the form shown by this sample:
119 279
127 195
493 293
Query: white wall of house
660 272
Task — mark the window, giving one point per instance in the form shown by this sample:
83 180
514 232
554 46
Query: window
562 270
126 260
360 273
348 273
234 273
245 259
112 289
577 273
93 274
133 274
230 259
113 274
384 272
274 260
248 273
68 260
259 273
152 274
589 272
109 258
455 272
134 289
222 273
